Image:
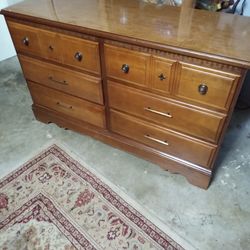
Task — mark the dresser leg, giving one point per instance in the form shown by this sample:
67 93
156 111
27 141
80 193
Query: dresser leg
198 179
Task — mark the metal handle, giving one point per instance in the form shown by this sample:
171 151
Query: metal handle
64 105
125 68
78 56
25 41
156 140
168 115
162 77
58 81
202 88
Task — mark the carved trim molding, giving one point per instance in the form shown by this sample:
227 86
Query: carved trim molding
179 57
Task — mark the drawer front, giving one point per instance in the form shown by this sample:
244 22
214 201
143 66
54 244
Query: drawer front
68 105
51 48
25 38
68 81
162 139
161 76
69 50
208 87
127 65
196 123
80 53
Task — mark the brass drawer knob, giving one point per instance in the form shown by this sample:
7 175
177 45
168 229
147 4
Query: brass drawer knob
78 56
26 41
125 68
162 77
202 88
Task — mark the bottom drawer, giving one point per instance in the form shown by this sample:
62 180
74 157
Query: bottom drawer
162 139
67 104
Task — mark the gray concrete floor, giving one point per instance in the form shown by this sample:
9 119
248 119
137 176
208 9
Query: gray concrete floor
218 218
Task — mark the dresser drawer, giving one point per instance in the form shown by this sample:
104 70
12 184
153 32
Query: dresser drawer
207 87
50 46
124 64
190 121
68 81
68 105
161 74
25 38
80 53
162 139
69 50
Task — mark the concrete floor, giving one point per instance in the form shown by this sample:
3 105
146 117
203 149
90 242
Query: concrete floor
218 218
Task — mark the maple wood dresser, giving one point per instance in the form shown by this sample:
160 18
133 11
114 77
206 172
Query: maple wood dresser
159 82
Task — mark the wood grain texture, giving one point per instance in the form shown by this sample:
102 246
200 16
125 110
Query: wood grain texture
162 139
191 121
192 58
63 79
161 75
220 35
145 71
195 174
51 45
138 65
67 105
220 86
19 32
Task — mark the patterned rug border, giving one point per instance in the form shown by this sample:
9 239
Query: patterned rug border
144 220
77 238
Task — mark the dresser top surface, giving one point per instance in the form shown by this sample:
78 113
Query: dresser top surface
218 34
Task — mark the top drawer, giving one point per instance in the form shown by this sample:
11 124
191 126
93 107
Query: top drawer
25 38
143 70
124 64
72 51
206 87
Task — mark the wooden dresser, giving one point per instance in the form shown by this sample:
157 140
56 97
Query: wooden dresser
159 82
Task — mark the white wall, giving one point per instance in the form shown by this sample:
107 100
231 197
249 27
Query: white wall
6 46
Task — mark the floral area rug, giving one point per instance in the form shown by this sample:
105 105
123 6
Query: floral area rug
53 202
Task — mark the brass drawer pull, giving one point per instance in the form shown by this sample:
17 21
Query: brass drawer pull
57 81
202 88
64 105
25 41
156 140
162 77
168 115
78 56
125 68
